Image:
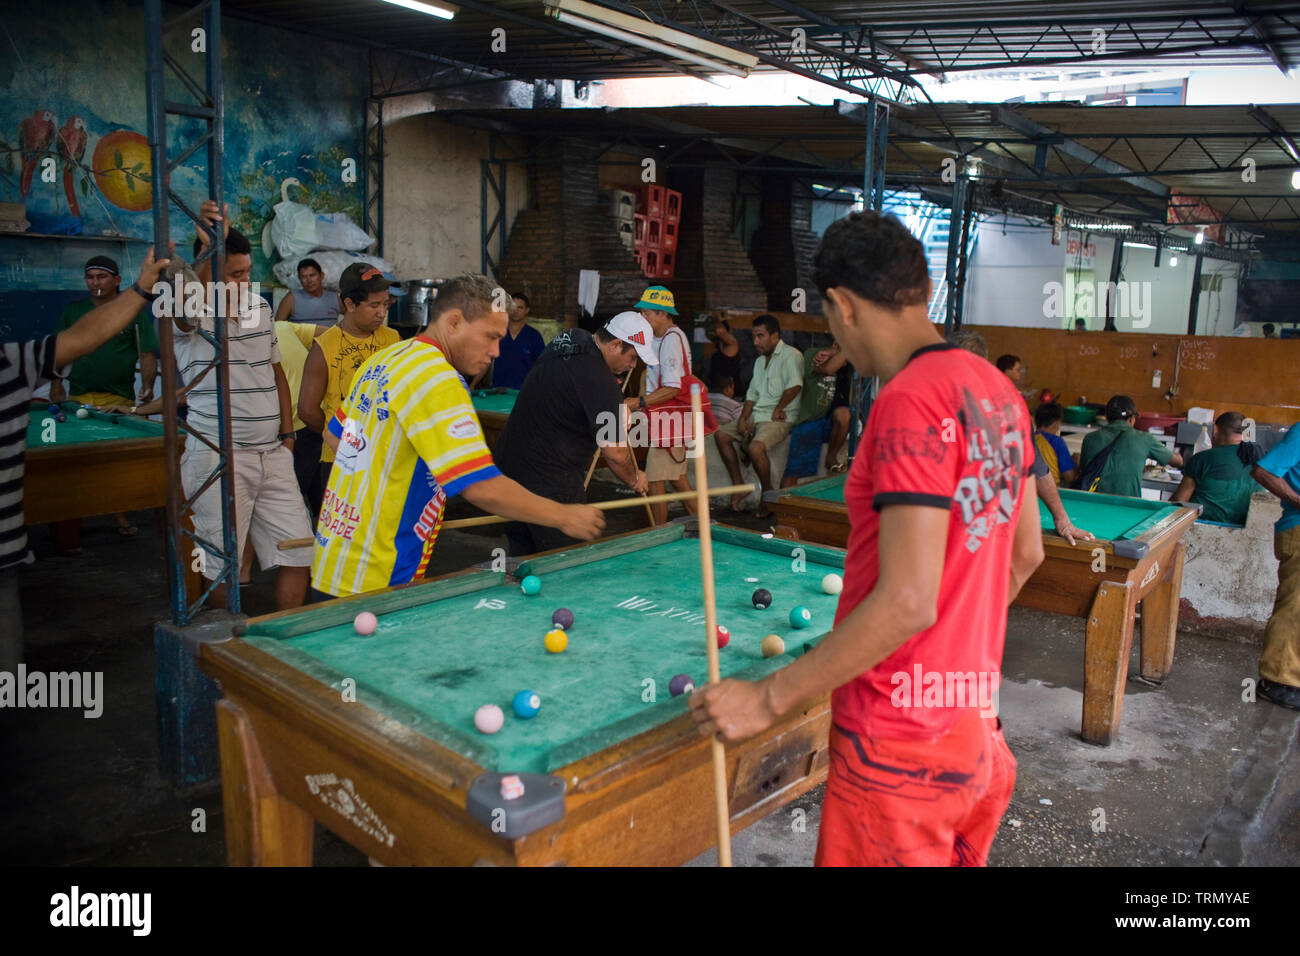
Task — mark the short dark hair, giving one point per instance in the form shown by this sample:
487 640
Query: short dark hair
237 244
719 382
972 342
1048 413
604 337
1006 363
768 322
1231 422
309 264
520 295
1120 407
472 294
874 256
1268 328
1080 323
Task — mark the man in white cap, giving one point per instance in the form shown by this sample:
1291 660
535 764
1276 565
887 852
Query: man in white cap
571 405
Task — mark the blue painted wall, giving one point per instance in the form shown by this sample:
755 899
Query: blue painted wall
294 107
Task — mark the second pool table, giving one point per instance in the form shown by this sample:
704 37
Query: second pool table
374 737
493 407
1137 561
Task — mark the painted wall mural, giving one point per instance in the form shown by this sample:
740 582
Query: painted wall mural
74 151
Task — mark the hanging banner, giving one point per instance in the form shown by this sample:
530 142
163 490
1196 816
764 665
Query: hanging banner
1188 210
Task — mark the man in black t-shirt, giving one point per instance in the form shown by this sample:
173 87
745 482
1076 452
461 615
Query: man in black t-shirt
570 405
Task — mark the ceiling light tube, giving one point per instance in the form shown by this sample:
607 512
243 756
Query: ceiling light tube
648 28
616 34
443 11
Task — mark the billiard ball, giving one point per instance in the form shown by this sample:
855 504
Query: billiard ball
762 598
773 645
365 623
489 718
681 684
527 704
832 584
83 413
531 584
61 417
800 616
556 641
724 637
562 618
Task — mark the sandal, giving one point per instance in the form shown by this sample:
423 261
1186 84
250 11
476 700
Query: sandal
127 530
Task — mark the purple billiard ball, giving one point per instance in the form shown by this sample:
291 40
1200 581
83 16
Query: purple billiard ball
681 684
562 618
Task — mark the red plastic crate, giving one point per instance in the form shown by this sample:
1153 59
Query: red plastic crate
654 233
652 201
638 227
652 262
670 236
672 205
667 264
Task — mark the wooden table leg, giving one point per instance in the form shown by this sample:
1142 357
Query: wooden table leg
1106 650
262 827
1160 619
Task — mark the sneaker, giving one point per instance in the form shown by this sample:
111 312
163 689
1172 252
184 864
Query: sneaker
1284 695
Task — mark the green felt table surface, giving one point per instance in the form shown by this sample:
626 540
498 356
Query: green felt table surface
488 400
44 429
1110 517
639 621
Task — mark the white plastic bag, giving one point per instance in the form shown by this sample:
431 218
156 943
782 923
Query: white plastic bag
296 230
336 230
332 263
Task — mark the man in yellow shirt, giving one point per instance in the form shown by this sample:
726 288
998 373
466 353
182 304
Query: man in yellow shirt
337 354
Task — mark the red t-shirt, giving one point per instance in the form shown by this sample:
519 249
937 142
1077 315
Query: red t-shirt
949 431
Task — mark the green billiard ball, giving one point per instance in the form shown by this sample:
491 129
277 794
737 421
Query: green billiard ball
800 617
531 584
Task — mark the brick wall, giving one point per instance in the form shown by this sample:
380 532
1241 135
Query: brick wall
783 245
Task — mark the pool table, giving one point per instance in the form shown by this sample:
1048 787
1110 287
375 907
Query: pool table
493 406
374 736
1137 561
99 465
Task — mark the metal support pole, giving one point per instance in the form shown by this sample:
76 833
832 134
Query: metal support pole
955 216
957 293
1116 265
873 197
1196 295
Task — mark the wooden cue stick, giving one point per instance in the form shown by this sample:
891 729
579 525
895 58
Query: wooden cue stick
290 543
710 626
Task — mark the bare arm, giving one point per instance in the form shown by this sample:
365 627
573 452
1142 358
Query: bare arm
103 322
286 403
1052 498
1027 546
284 309
311 390
620 460
788 396
1278 486
1184 491
506 497
148 373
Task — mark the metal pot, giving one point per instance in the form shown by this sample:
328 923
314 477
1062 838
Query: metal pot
419 294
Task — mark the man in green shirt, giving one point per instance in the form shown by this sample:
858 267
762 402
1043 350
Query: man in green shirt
1127 449
107 375
814 425
1218 479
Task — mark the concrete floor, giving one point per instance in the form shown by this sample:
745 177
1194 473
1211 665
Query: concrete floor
1197 776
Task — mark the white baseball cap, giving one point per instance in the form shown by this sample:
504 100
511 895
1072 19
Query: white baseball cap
632 328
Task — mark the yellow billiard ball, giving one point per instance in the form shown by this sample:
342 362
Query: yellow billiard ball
556 641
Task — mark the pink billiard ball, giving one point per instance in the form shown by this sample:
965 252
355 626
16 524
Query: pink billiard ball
365 623
724 637
489 718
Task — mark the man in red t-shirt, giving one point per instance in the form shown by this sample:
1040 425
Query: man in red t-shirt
944 531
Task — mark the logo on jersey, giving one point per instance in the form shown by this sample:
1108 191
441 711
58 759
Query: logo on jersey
463 427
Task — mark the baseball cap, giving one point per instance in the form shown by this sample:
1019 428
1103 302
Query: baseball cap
102 262
632 328
363 277
657 297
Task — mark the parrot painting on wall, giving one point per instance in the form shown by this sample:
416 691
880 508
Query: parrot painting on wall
35 135
72 146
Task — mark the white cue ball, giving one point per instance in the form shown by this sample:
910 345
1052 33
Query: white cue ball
82 413
832 584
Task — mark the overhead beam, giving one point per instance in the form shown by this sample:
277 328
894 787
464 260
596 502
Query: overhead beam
1265 119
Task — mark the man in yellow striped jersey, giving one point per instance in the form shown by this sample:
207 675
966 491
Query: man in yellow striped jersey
407 439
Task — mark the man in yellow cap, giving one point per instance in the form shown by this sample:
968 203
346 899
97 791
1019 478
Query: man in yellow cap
662 382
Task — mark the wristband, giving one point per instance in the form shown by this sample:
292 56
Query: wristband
284 436
147 296
641 399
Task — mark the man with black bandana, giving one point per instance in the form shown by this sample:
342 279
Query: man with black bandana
569 406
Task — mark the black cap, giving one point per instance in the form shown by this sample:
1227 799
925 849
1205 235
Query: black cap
365 278
102 262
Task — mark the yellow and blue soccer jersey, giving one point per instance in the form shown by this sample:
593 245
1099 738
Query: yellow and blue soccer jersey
408 440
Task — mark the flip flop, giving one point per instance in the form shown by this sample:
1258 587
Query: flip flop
128 530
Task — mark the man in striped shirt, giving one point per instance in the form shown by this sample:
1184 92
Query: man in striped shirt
407 439
268 504
24 366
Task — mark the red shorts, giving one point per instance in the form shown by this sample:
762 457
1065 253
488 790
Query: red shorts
916 802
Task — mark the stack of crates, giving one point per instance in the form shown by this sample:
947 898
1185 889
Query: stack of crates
656 227
621 205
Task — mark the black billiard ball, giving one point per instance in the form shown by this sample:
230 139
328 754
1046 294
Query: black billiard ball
762 598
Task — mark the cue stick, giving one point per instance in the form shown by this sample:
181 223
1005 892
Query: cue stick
711 627
650 515
291 543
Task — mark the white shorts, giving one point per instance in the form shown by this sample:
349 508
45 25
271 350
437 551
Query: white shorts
268 504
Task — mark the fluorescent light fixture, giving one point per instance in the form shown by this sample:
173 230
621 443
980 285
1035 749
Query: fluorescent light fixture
1200 237
654 45
1295 179
444 11
1138 245
1102 226
583 14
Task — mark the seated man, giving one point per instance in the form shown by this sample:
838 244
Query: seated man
815 425
722 396
1218 479
769 412
1126 450
1051 446
23 367
312 303
570 405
